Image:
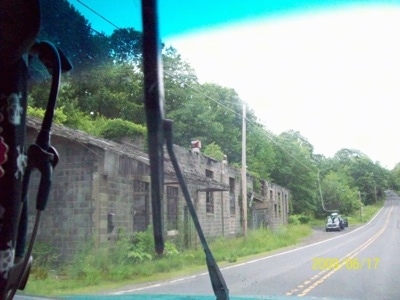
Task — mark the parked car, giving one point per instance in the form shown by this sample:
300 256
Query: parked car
336 222
333 224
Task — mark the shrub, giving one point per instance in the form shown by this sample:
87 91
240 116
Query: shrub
116 128
293 219
170 249
299 219
59 115
214 150
304 219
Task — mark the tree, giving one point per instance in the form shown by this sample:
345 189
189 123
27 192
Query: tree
338 194
76 39
395 177
214 150
296 170
126 46
195 120
261 156
180 80
112 91
368 177
226 107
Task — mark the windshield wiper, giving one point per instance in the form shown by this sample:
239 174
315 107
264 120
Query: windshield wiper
160 130
217 280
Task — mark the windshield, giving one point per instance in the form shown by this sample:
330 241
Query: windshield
204 162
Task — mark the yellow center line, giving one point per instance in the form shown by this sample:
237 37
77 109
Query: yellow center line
325 274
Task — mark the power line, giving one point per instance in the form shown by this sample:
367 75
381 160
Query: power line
101 16
76 19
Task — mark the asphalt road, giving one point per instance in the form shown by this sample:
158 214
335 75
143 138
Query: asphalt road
361 263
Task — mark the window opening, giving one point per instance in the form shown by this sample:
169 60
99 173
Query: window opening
209 195
172 207
232 198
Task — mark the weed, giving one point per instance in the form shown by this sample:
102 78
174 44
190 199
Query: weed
46 258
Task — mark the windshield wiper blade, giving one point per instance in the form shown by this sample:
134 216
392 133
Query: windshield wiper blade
217 280
154 100
158 129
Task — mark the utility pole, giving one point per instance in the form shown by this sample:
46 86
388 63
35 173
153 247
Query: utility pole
244 173
361 205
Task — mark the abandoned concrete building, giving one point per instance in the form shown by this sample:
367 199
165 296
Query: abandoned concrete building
101 186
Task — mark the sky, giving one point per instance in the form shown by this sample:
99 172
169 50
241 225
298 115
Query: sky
331 72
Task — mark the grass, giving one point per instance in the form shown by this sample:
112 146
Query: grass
96 270
317 222
365 214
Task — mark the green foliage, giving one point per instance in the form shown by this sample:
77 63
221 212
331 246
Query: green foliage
129 256
194 119
364 213
303 219
35 112
82 121
116 128
214 150
395 174
293 219
59 116
143 242
136 255
112 91
338 193
367 178
256 183
45 259
261 155
126 45
296 170
76 39
178 75
115 260
299 219
72 118
170 249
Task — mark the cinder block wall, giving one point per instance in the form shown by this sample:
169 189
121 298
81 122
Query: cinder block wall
68 219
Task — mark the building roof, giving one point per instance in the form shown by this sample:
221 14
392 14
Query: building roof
125 149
